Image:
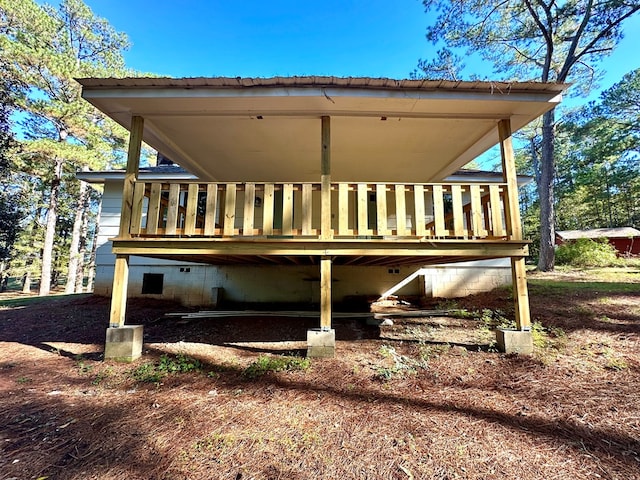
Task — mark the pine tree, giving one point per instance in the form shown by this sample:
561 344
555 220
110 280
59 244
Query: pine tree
46 48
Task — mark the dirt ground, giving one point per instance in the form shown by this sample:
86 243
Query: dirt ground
424 398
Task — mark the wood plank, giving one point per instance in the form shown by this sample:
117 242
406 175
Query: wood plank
267 209
131 174
362 202
458 214
136 208
520 294
325 179
401 211
497 225
476 226
348 247
229 227
153 212
418 200
486 212
438 211
343 209
249 208
172 209
307 208
210 209
192 209
512 209
325 292
119 291
381 209
287 209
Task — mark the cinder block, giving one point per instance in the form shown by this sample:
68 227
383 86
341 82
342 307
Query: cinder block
123 344
321 343
514 341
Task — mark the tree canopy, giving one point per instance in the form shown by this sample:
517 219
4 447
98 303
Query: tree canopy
529 40
44 49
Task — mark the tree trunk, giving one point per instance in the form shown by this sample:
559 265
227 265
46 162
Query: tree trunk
546 261
94 247
82 249
26 282
50 232
74 248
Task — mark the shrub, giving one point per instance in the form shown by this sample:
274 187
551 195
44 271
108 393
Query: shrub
585 252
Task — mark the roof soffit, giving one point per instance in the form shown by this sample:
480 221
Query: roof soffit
224 132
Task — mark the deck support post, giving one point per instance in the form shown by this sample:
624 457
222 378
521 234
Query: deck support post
127 345
321 342
519 341
325 179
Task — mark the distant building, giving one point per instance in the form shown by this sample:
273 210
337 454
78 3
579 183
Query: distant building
625 240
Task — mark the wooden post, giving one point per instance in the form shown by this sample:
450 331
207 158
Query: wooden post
119 292
325 172
325 231
520 293
509 176
514 227
325 293
121 272
131 175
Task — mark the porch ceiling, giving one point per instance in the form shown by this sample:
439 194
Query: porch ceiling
227 129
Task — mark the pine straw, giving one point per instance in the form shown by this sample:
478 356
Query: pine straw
381 409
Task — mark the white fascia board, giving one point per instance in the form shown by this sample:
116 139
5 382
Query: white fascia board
118 175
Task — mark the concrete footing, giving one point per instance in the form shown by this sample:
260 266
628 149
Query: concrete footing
321 343
514 341
123 344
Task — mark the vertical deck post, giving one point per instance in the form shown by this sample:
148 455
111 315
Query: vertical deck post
125 343
131 175
325 293
521 340
321 342
325 179
119 294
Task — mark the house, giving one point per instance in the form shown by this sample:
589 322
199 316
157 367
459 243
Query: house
330 175
626 240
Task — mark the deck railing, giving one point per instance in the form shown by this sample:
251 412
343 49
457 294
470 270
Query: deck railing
358 210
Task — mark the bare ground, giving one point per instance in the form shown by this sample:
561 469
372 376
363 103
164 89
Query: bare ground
425 398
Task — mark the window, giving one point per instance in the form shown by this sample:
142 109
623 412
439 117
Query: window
152 283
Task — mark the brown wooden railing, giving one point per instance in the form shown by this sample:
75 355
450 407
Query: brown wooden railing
358 210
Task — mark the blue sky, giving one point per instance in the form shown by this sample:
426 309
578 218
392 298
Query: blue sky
252 38
377 38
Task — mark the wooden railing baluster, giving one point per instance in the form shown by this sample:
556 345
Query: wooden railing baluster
463 211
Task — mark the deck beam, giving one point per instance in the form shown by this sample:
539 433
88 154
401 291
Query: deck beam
298 247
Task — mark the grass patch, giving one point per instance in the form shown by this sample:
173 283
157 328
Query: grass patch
561 288
27 301
150 372
268 363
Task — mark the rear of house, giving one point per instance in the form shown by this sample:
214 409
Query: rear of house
303 185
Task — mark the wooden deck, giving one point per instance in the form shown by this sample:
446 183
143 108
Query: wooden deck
281 223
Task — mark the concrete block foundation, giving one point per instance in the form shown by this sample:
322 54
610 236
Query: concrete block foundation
515 341
123 344
321 343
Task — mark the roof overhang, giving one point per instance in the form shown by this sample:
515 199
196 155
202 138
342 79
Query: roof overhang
235 129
